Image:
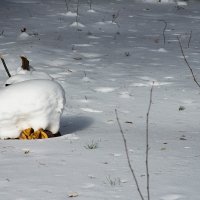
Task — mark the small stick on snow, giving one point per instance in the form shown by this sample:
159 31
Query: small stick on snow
189 39
2 32
67 6
128 158
164 29
114 18
90 3
6 68
181 47
147 142
77 12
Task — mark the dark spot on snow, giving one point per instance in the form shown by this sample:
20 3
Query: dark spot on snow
23 30
127 53
78 58
181 108
129 122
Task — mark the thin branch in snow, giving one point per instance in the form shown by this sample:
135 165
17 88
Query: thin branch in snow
67 5
77 11
2 32
181 47
128 158
5 66
189 39
164 29
115 16
90 3
147 141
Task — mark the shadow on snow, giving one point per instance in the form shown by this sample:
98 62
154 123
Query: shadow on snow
73 124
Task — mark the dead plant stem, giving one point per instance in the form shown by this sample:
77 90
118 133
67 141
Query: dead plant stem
5 66
185 59
147 141
127 155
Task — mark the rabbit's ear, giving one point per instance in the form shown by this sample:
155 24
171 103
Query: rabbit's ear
25 63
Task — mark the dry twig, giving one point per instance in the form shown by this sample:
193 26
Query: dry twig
77 11
189 39
115 16
90 3
181 47
164 29
147 142
5 66
128 158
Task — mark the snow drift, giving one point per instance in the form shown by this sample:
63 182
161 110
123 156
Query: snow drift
33 103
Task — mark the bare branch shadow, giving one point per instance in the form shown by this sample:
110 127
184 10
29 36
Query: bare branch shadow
73 124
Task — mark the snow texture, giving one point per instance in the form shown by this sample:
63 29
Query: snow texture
24 75
34 103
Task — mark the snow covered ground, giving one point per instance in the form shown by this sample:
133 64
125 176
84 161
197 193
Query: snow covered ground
103 66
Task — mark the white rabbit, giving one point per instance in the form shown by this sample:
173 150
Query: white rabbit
30 104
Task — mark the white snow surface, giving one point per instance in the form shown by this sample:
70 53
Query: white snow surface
115 70
27 75
24 75
32 103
